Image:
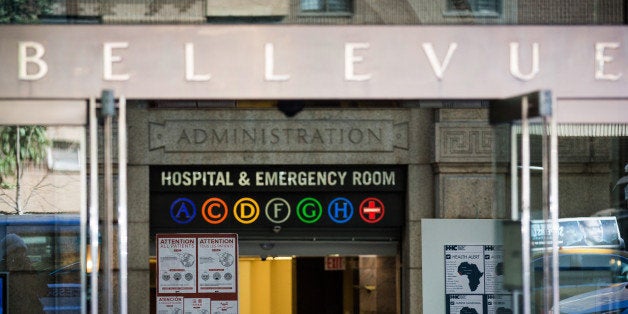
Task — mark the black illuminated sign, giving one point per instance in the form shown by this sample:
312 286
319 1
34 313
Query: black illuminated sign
210 198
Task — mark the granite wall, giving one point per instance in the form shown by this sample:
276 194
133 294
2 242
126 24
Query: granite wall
457 166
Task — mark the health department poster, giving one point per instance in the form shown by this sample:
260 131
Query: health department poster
177 265
197 273
463 270
217 265
170 305
473 280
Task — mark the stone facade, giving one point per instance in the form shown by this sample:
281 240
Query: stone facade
453 158
456 167
407 140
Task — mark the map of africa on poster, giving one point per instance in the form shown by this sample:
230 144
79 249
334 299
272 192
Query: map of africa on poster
473 280
464 269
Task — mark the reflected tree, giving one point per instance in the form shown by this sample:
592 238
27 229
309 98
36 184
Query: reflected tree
23 11
20 147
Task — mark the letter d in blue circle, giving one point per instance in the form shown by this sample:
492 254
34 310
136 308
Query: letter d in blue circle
340 210
182 210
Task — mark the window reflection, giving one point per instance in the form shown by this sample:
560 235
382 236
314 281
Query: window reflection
592 160
40 203
324 6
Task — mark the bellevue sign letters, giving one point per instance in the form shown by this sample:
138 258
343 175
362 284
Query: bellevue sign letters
278 62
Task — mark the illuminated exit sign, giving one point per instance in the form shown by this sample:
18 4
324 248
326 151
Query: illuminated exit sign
335 263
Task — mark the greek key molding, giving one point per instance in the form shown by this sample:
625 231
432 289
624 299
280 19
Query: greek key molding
464 142
477 142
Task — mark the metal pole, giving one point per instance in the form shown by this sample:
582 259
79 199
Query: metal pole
547 282
514 200
107 112
93 204
525 204
514 178
122 204
554 211
83 218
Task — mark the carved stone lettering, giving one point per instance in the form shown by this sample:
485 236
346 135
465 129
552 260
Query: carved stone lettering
268 135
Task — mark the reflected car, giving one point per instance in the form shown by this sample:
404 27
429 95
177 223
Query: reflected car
610 300
583 271
64 290
52 244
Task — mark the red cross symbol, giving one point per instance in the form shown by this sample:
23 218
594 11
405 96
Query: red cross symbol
372 210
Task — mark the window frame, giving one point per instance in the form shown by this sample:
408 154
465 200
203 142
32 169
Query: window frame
451 11
325 11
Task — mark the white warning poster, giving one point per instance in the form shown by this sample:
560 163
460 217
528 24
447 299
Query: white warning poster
169 305
176 265
197 306
465 304
224 307
464 269
474 280
499 304
217 265
494 269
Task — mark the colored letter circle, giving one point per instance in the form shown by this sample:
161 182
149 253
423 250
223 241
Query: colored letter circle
277 210
208 211
246 210
337 206
306 213
180 210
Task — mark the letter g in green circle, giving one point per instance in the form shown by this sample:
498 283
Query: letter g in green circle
309 210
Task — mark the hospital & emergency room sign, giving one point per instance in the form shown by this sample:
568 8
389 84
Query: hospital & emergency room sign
214 197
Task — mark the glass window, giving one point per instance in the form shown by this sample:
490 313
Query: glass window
326 6
592 223
41 192
474 7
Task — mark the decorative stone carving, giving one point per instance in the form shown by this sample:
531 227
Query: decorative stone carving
464 142
197 136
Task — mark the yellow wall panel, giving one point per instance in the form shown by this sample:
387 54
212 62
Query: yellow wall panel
244 286
265 287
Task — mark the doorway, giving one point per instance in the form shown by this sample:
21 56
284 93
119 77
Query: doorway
319 290
332 284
